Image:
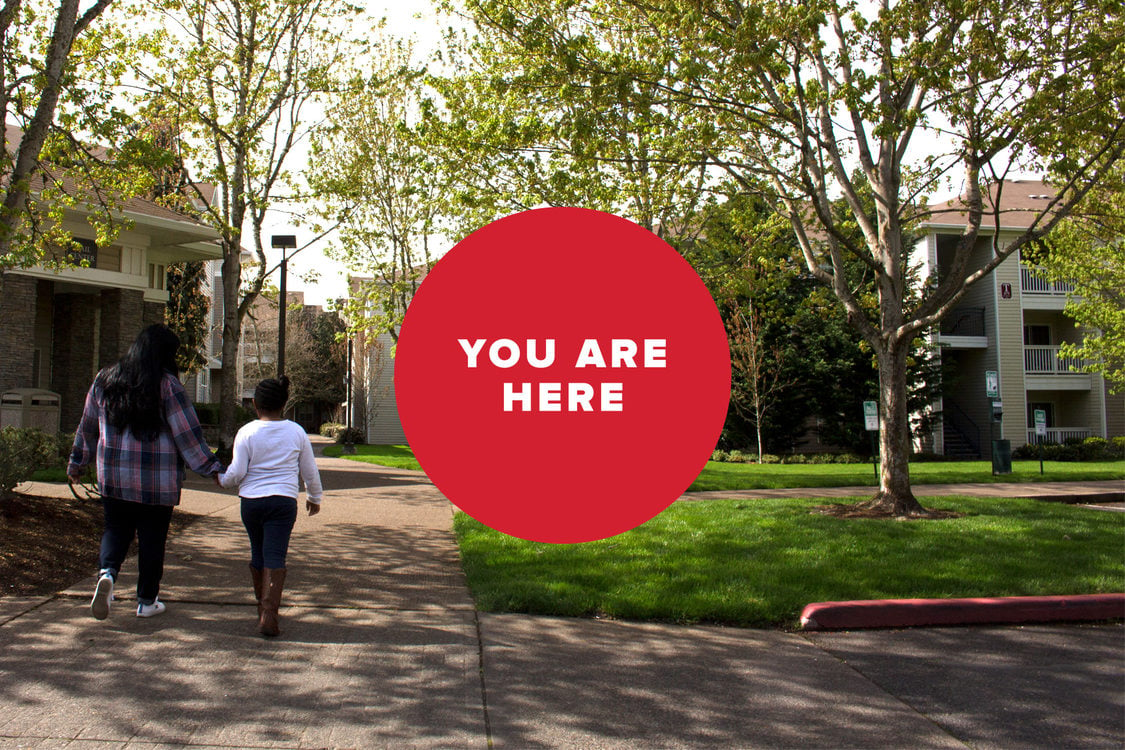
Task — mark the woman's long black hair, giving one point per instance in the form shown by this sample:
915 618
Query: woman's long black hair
132 386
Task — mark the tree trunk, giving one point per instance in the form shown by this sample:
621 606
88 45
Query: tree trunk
895 496
229 390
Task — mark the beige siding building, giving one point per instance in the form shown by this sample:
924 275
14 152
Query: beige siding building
1011 323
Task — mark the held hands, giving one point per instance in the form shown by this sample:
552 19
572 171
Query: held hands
312 508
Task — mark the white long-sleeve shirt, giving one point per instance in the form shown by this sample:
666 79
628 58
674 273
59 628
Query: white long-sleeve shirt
268 457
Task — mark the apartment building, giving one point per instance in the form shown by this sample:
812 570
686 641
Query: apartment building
1010 323
58 328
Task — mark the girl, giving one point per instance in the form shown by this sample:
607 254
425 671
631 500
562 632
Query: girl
140 428
269 454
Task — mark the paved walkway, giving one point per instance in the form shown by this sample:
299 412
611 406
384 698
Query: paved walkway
382 648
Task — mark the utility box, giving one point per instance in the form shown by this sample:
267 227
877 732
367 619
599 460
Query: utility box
1001 456
30 407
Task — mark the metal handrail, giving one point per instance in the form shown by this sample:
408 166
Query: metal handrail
962 423
964 321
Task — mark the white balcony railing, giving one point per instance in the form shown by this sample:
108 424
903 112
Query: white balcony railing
1034 283
1058 435
1045 360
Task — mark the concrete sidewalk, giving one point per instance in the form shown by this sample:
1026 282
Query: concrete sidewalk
382 648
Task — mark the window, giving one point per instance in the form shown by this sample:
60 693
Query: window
157 278
83 253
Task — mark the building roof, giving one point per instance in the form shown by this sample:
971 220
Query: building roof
137 206
1020 202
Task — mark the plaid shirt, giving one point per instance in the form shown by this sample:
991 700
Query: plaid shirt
142 471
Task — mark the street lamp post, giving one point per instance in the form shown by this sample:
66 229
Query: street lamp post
285 242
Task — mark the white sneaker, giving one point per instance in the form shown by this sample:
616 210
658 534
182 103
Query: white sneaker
150 610
103 595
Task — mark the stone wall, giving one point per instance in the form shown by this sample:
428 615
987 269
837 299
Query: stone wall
123 317
17 331
153 314
75 360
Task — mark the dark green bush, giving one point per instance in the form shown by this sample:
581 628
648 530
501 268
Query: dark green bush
350 435
24 451
1074 449
209 414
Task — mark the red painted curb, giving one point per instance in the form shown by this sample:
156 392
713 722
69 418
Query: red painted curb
902 613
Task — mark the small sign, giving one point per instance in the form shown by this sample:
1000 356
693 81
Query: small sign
1006 290
992 384
870 416
1041 422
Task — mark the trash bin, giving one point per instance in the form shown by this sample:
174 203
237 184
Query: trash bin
1001 456
30 407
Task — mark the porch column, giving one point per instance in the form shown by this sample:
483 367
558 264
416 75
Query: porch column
17 331
76 349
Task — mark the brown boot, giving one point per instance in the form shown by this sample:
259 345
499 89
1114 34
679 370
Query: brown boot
273 582
256 576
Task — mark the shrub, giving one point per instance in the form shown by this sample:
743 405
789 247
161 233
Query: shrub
350 435
1074 449
1117 446
331 429
208 414
1094 449
719 456
24 451
737 457
64 443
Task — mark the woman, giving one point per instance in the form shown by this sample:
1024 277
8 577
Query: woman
270 454
140 427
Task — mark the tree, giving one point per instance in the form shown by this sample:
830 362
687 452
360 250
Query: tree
188 313
315 359
793 96
379 179
236 78
58 77
1088 252
537 135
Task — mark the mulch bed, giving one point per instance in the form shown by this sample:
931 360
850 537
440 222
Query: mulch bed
47 544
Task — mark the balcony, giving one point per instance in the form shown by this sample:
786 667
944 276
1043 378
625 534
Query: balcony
1046 369
1045 360
1059 435
1041 294
963 328
1032 283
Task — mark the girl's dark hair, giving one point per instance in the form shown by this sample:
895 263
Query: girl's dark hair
132 386
271 394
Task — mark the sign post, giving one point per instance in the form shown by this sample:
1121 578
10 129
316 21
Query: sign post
1040 433
871 424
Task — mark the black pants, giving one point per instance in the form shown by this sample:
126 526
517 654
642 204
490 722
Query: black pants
149 523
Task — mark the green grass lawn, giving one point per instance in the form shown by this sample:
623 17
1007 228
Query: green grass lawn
759 562
394 456
732 476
